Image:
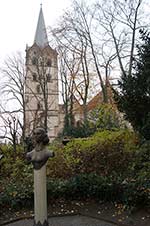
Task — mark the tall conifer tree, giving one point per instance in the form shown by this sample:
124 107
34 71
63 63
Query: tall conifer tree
133 99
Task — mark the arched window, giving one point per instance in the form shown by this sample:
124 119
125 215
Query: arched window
49 63
41 61
34 75
49 77
38 88
34 61
27 99
39 106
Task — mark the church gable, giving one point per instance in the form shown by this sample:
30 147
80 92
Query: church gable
49 51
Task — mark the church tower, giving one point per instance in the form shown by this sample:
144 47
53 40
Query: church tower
41 89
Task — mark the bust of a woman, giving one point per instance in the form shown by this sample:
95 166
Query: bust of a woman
40 154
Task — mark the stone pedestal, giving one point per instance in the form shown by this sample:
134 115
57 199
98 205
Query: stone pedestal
38 157
40 197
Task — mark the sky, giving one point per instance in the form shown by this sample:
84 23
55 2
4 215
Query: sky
18 20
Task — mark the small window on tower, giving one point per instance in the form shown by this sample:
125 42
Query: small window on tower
34 76
34 61
49 63
38 88
49 77
41 61
39 106
27 99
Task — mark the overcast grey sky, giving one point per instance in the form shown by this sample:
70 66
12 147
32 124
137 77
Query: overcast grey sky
18 20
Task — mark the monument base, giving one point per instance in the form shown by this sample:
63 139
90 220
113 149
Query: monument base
40 224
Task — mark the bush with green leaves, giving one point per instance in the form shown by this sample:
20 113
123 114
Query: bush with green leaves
17 189
103 117
105 153
16 177
131 193
109 166
84 186
106 117
83 129
142 161
11 160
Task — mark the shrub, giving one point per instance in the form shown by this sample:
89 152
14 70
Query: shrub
16 194
142 161
80 130
84 186
17 189
8 162
109 166
105 153
106 117
136 193
103 117
57 167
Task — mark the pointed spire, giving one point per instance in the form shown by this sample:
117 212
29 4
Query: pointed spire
41 35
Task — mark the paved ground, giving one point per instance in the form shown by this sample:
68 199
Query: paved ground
76 220
79 213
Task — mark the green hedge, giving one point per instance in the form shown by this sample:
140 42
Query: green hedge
105 153
110 165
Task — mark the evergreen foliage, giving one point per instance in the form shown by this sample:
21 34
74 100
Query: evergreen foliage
133 99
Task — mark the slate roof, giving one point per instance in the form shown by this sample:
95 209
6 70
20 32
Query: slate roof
41 38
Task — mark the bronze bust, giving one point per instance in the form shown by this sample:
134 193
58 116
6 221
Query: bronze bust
40 154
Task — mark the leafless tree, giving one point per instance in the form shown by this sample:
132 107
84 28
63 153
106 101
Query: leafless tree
120 20
11 127
13 77
74 66
78 32
67 70
13 85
